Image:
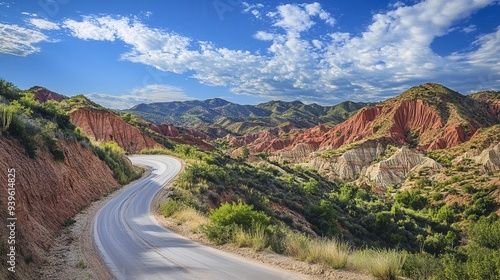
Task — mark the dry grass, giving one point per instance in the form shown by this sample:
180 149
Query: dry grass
383 264
255 238
190 218
328 252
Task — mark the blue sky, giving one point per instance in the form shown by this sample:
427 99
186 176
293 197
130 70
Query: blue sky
248 52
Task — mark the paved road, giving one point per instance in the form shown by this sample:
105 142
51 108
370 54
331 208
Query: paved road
135 246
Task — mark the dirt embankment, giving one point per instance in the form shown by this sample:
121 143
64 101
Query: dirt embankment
47 194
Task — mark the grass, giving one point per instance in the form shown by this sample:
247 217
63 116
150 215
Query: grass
190 217
329 252
255 238
381 263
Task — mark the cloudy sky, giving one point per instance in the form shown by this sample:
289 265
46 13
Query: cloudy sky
248 52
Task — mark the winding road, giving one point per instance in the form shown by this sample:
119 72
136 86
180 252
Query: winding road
134 246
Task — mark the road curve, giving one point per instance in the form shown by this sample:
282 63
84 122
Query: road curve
134 246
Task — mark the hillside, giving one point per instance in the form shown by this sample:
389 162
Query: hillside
52 183
218 117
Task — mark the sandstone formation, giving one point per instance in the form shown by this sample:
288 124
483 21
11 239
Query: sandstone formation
489 159
396 168
104 125
49 192
350 164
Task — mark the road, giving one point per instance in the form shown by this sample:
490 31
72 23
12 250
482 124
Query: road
134 246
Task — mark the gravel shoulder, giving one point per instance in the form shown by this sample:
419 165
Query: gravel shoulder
73 254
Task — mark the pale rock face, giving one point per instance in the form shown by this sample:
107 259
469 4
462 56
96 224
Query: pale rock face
350 164
489 158
396 169
299 152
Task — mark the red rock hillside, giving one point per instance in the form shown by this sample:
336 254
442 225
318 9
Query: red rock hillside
429 116
48 193
103 125
187 136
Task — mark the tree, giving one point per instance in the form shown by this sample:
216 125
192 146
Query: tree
245 152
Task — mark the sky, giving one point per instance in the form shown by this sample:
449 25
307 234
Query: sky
124 53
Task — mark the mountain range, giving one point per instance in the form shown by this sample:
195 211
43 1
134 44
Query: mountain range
218 117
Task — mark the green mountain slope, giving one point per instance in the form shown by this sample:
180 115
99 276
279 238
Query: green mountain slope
219 117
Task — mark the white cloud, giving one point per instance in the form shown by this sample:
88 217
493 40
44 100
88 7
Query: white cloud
469 29
44 24
19 41
253 9
298 18
91 28
392 54
147 94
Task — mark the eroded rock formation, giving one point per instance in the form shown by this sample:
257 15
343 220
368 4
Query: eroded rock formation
103 125
49 192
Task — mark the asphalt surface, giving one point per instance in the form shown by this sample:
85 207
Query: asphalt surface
134 246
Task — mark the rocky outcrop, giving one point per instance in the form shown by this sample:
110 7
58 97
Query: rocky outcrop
489 159
396 168
185 136
104 125
350 164
43 95
165 129
49 192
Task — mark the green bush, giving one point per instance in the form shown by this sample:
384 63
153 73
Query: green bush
446 214
239 214
421 266
225 220
170 207
486 233
411 199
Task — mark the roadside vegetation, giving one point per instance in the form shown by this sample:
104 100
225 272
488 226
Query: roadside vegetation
47 126
296 212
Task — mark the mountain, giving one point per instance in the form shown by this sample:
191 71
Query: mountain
427 117
218 117
397 134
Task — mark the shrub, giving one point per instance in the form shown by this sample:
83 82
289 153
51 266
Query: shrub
239 214
445 214
421 266
411 199
225 221
311 186
169 207
486 233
